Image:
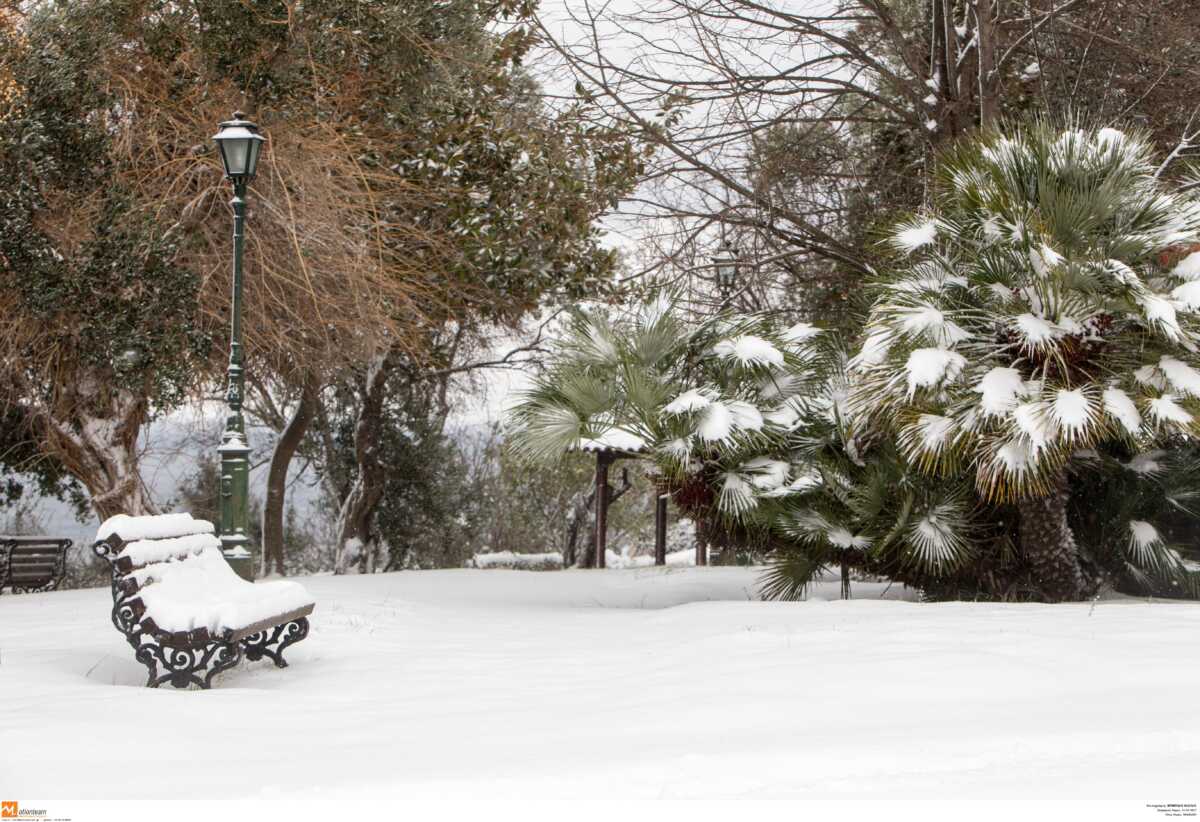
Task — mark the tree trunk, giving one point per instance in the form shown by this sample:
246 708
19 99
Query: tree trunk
581 506
989 83
603 460
358 508
285 449
660 525
948 48
1048 545
98 446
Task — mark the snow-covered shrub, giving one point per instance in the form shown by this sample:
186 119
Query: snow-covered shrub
1042 311
520 562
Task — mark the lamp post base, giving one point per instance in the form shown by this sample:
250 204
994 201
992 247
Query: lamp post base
239 559
235 469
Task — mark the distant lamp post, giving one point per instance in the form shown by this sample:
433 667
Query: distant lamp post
239 144
726 264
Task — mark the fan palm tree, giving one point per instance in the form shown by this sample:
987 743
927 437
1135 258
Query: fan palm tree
745 421
1042 310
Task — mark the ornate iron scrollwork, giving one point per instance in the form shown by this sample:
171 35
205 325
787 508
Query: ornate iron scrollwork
183 666
270 643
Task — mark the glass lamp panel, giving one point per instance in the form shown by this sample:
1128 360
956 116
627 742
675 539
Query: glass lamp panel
255 150
235 153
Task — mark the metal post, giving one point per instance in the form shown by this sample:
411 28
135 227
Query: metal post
603 459
660 529
235 453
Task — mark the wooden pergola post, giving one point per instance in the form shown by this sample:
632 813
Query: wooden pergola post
603 460
660 527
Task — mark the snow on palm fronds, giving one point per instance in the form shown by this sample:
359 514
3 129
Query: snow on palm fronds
754 412
846 500
750 380
1045 303
603 386
653 381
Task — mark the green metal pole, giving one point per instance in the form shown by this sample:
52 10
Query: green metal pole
234 451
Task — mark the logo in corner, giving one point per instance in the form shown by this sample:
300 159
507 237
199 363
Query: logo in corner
8 810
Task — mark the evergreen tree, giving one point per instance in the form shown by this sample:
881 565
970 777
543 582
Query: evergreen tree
1042 311
746 422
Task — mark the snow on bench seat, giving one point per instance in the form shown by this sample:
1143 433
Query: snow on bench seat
204 592
160 526
147 551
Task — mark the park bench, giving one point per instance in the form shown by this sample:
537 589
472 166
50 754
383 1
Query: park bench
184 610
32 564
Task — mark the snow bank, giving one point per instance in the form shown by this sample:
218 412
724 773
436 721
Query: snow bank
675 559
553 562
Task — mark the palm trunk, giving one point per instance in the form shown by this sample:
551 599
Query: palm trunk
1048 545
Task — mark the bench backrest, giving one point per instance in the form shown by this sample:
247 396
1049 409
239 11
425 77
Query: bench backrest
142 549
32 562
132 543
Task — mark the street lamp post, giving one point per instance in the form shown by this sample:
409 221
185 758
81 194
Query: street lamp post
239 144
726 264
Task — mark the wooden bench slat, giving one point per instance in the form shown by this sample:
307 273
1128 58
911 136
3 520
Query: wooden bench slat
264 624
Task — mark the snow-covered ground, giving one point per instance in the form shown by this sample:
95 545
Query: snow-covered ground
621 683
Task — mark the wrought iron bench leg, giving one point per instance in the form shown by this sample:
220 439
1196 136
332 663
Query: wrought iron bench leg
259 645
187 666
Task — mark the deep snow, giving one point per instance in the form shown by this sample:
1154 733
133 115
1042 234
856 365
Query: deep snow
637 682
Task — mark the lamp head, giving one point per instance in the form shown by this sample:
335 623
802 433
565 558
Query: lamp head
726 261
239 144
